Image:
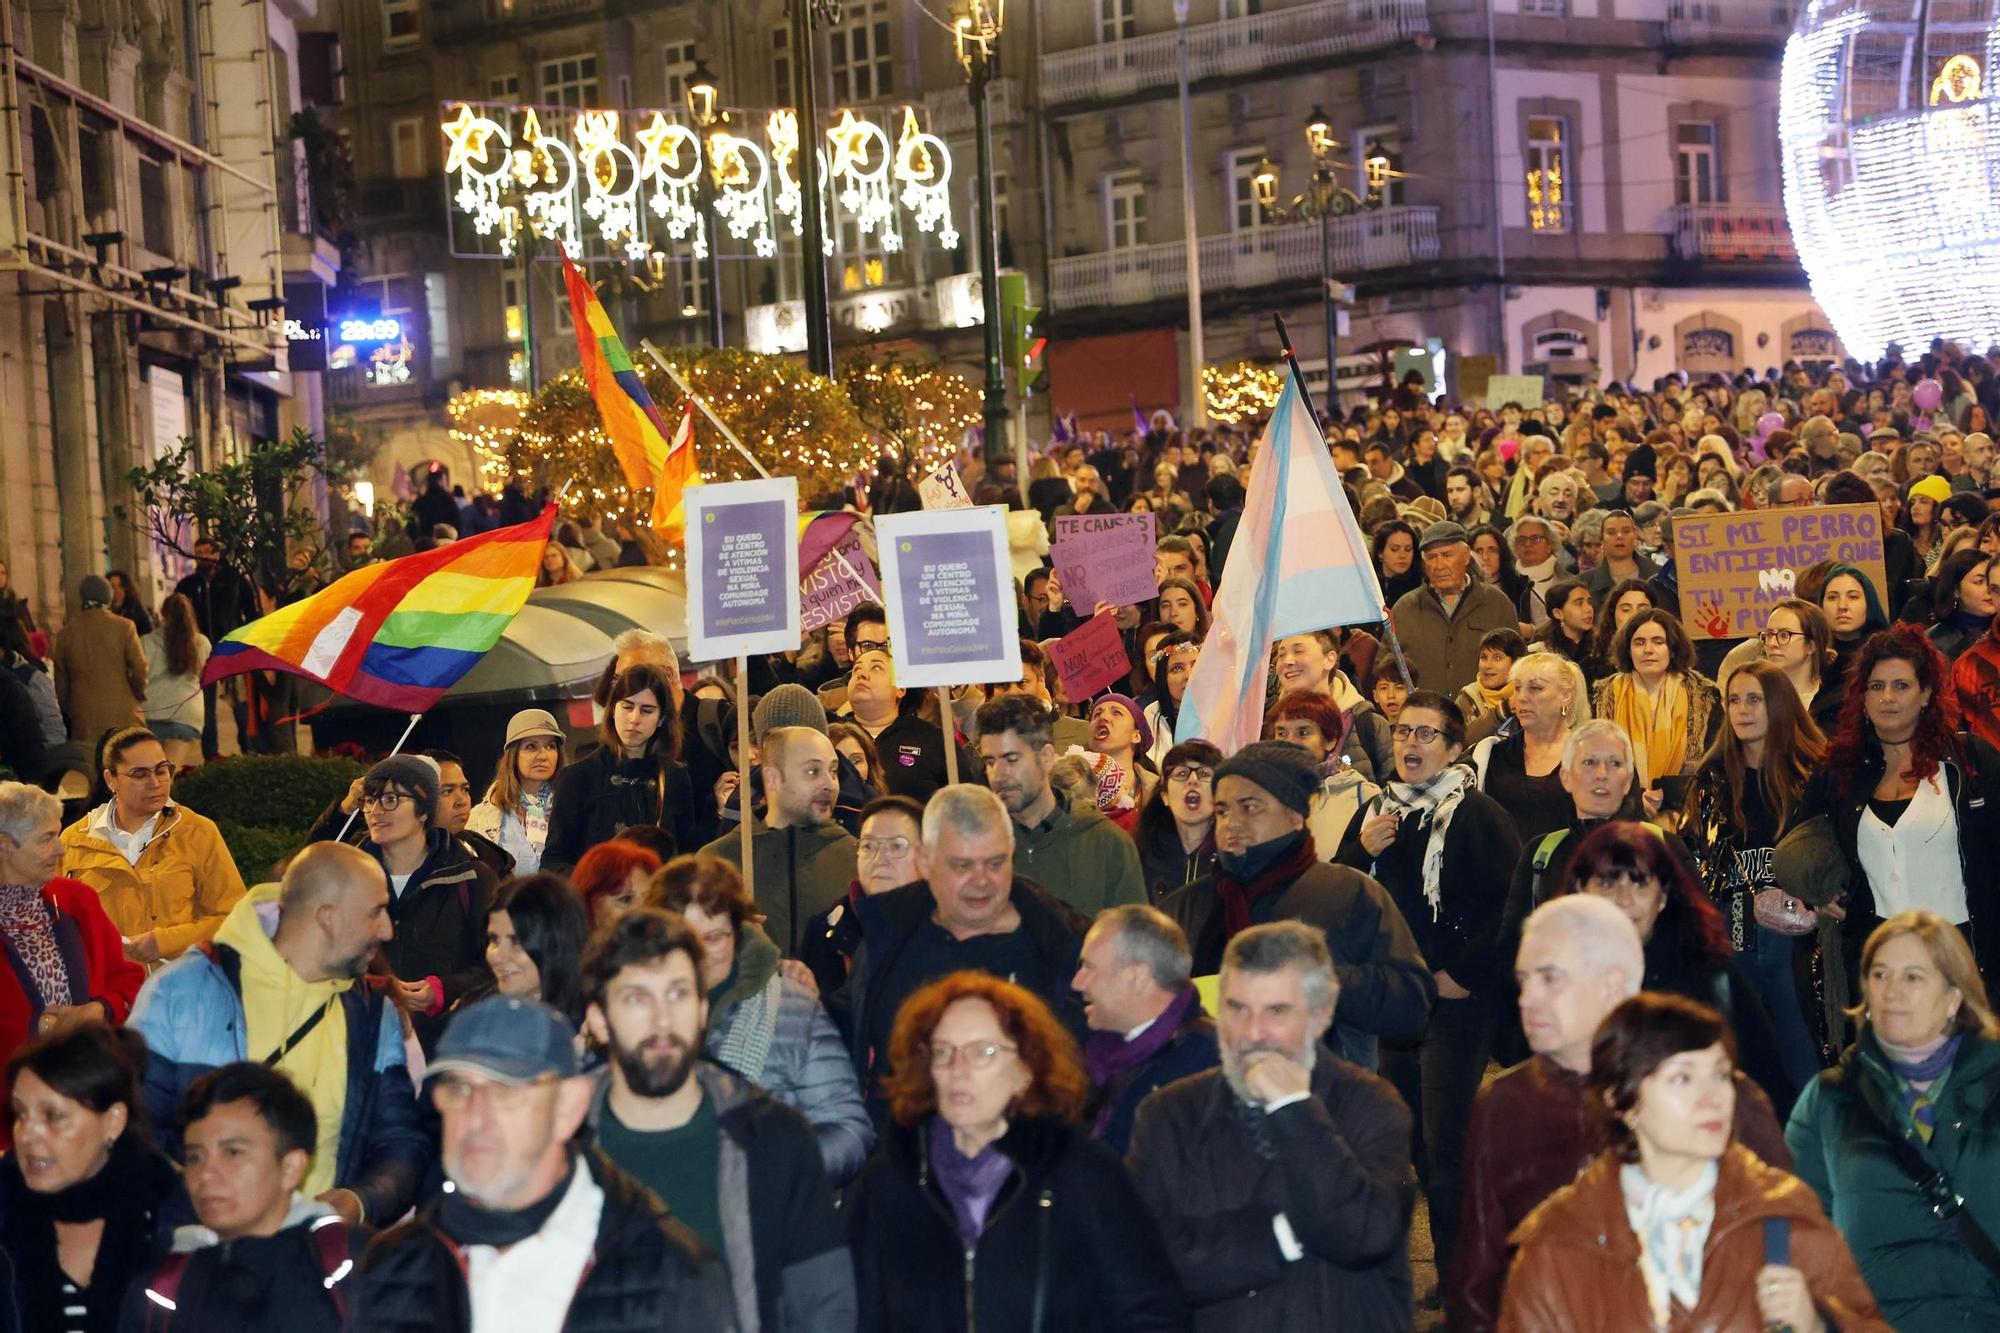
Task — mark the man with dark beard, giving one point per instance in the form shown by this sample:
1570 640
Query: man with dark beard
738 1168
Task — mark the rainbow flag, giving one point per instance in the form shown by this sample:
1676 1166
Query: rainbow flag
677 473
400 634
638 435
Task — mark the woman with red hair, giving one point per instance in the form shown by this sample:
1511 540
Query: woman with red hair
1912 799
1312 721
987 1204
612 877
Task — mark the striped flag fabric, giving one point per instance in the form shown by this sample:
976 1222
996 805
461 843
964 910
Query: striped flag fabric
399 634
1298 563
677 473
638 435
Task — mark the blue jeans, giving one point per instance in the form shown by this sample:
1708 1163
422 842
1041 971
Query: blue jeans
1771 969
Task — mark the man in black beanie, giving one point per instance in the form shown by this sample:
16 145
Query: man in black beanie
1642 469
1267 869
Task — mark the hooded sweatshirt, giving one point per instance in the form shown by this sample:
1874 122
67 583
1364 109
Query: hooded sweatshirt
276 1002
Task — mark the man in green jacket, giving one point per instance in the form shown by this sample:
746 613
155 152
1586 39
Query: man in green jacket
1442 623
803 861
1079 856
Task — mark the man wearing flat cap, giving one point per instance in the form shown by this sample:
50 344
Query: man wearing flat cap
1442 623
1267 869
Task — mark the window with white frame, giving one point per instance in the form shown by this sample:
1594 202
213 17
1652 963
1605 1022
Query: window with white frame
1117 20
1245 213
402 24
1696 180
1124 209
570 82
503 88
406 148
680 68
1378 165
863 65
1547 178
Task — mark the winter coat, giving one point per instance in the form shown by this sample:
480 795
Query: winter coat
100 674
170 697
1067 1244
42 690
287 1280
1918 1267
600 796
1191 1050
772 1031
1532 1130
1442 647
183 885
648 1272
22 753
1168 866
784 1252
139 1198
1337 1166
1027 542
1578 1261
798 872
86 935
1082 858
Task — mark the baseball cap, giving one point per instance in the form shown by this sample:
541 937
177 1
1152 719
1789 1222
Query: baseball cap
508 1038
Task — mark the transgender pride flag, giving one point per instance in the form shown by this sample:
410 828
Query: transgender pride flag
1297 563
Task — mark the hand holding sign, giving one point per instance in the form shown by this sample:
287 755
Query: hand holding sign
1090 657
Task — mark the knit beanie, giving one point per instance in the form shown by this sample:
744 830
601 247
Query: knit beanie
94 590
1124 701
787 705
414 773
1643 462
1279 767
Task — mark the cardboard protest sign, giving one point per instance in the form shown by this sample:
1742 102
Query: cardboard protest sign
944 489
1734 567
843 580
742 568
1090 657
948 589
1523 389
1105 558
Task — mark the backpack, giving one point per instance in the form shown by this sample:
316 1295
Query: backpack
329 1243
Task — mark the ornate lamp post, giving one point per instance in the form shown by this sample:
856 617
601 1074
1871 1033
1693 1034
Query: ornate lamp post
703 101
812 218
977 33
1324 200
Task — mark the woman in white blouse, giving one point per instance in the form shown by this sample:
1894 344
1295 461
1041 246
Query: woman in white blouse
516 810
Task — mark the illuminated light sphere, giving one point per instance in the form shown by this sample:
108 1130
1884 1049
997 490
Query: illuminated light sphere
1892 165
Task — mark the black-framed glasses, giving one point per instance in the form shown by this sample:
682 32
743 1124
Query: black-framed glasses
385 801
1403 731
870 646
1183 775
1777 638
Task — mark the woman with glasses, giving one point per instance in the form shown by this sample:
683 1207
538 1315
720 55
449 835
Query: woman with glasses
634 777
988 1205
1670 710
1686 942
1445 852
885 858
1176 833
1797 639
515 813
163 872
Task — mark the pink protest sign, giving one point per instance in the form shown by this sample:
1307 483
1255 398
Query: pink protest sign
1105 558
1090 657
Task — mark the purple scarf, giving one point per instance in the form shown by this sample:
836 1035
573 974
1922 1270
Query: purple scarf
1110 1059
970 1183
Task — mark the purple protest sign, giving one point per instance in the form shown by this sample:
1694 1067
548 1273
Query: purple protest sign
843 580
1105 558
949 593
742 568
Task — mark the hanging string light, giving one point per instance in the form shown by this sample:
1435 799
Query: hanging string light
1242 391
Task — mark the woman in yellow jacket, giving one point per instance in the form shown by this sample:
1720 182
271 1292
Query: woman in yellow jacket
162 872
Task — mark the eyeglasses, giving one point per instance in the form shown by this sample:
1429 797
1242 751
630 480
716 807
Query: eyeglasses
885 846
456 1094
978 1054
870 646
1777 638
163 771
1205 776
1403 731
385 801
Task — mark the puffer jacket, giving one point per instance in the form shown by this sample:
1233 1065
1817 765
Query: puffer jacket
183 886
1577 1266
1918 1267
774 1032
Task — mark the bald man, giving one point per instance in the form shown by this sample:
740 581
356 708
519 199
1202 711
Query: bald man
277 985
802 860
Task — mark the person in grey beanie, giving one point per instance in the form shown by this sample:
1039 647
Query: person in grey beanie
790 705
1267 869
100 666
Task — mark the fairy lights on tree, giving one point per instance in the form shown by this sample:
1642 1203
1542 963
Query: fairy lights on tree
921 410
1242 391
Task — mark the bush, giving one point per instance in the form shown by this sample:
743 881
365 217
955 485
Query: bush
257 850
271 793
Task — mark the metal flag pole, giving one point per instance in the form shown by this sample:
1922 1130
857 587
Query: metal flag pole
401 740
1299 379
702 403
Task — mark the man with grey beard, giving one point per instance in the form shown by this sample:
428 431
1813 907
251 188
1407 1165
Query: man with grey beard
1282 1180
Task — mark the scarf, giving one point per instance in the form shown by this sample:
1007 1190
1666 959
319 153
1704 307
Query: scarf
1672 1228
1658 726
28 924
1499 701
465 1223
1433 802
1110 1059
971 1184
1241 879
1919 1070
125 1194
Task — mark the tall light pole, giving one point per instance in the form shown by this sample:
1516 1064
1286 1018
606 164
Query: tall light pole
703 99
1197 358
977 32
812 216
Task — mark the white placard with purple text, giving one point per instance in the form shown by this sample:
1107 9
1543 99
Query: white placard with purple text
948 586
742 568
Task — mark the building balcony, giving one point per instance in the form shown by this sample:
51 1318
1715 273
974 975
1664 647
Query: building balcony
1256 45
950 109
1733 233
1698 22
1385 238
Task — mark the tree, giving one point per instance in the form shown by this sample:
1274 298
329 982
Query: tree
259 509
921 409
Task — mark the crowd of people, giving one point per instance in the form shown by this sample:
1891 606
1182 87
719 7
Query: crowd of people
1118 1030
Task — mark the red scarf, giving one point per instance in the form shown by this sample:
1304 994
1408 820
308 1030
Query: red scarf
1237 896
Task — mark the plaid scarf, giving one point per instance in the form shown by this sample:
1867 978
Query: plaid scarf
1434 802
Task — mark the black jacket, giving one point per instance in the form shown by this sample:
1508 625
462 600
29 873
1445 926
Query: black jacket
1336 1164
222 601
139 1215
1067 1245
599 796
21 748
1191 1050
828 943
248 1285
648 1273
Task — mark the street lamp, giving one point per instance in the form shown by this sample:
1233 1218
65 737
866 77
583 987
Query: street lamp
976 34
1324 199
703 98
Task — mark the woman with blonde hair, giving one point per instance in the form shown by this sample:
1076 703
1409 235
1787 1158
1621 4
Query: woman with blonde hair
1521 767
1898 1139
515 812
